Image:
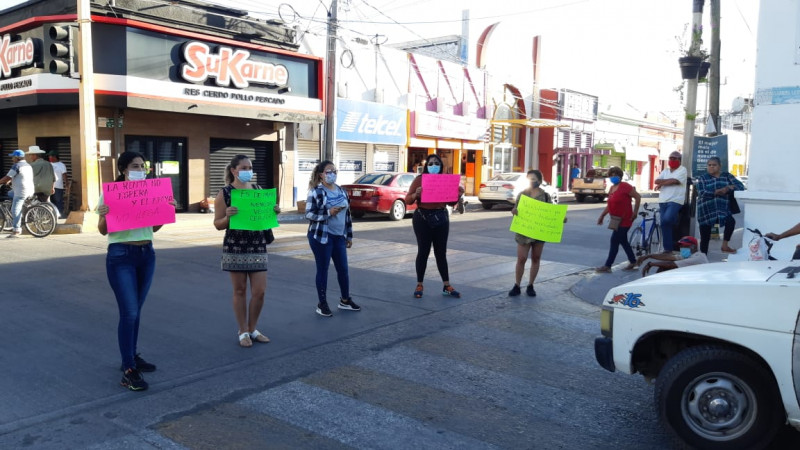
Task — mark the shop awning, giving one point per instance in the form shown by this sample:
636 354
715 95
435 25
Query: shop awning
531 123
635 153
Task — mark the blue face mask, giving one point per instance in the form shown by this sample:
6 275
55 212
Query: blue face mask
615 180
434 169
245 175
330 178
686 252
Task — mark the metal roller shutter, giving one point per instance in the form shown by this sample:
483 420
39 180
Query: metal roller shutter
614 161
386 158
6 146
307 155
352 159
223 150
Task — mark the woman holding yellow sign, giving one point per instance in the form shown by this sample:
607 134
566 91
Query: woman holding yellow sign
526 245
244 252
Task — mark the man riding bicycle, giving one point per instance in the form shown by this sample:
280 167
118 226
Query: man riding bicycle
21 178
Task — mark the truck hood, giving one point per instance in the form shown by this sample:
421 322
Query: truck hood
743 272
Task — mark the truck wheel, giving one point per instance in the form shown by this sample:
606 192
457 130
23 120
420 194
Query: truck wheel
715 397
486 205
580 198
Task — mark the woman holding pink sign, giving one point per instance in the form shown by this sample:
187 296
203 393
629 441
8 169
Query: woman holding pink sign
130 265
431 226
244 252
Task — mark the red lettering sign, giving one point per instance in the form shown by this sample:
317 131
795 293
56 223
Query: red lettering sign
14 55
229 66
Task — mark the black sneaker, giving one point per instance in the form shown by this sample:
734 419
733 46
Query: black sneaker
515 291
529 290
323 310
348 304
133 380
141 365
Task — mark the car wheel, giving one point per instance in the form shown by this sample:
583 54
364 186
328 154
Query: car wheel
356 214
580 198
398 210
486 205
715 397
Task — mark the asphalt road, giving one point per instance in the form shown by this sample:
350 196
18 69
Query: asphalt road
484 371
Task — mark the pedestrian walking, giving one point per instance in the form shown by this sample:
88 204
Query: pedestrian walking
43 177
621 218
330 234
21 177
714 199
62 180
525 245
244 253
671 185
130 265
431 225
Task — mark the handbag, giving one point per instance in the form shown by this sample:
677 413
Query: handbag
269 236
733 205
613 222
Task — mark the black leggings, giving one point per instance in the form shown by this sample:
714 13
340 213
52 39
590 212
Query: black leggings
427 236
705 233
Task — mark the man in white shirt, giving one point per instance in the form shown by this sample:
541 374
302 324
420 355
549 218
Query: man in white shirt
62 178
671 184
21 178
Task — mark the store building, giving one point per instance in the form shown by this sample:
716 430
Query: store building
187 84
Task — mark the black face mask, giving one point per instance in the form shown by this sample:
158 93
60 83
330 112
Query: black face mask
535 184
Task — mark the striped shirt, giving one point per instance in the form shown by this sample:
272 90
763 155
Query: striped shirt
317 207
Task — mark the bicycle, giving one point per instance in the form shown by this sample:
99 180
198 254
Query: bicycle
37 218
643 240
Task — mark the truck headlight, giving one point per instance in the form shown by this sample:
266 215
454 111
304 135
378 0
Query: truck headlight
607 322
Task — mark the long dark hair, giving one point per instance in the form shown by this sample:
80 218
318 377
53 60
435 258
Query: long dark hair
124 160
232 165
537 173
318 169
429 158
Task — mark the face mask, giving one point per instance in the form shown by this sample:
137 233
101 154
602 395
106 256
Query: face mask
434 169
615 180
137 175
245 175
330 178
535 184
685 252
674 164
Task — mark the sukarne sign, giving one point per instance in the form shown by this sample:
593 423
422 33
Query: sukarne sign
14 55
230 67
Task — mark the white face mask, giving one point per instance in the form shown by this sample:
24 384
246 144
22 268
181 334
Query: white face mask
136 175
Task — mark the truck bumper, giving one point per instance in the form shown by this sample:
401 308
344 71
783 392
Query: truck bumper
604 353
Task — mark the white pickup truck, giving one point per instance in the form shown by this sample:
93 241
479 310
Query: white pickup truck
721 341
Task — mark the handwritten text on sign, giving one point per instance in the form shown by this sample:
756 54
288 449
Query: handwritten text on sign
137 204
539 220
256 209
440 188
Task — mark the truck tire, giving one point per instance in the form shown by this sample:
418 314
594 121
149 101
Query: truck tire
715 397
580 198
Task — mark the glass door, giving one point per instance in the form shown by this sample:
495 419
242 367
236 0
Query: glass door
166 158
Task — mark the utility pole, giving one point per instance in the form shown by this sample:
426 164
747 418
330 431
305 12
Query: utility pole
691 88
330 85
90 180
714 77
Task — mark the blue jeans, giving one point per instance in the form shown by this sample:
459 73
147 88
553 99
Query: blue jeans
58 200
620 237
336 248
130 271
669 218
16 212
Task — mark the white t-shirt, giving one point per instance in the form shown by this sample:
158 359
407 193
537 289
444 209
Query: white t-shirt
696 258
59 169
21 175
676 192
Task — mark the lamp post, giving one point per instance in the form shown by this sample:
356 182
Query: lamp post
330 86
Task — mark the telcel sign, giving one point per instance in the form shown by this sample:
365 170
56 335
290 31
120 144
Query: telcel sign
18 54
370 122
229 66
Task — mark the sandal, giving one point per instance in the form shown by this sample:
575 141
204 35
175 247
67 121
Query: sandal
244 340
256 336
418 291
629 267
730 250
603 269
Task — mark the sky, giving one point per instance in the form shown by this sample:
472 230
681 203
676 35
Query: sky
623 51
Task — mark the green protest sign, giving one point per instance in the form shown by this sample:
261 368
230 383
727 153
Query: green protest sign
256 209
539 220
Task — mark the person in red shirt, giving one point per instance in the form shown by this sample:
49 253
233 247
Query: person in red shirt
619 207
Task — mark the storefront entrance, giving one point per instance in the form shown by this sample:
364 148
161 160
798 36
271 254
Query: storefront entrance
223 150
166 157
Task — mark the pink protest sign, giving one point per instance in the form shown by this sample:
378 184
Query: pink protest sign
440 188
136 204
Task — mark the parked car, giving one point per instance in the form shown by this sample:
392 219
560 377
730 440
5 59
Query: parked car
721 342
503 189
595 184
381 192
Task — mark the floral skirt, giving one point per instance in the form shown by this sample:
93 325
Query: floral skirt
244 262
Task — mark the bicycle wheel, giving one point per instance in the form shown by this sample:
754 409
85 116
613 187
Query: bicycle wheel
6 225
655 243
39 221
635 239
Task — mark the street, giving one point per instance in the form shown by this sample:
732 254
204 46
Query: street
483 371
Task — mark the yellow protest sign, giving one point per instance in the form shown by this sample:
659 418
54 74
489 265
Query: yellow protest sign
539 220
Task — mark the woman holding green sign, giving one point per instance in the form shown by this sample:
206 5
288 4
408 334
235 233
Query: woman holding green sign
526 245
244 252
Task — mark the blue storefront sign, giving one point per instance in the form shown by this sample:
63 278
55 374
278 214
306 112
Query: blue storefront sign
370 122
706 147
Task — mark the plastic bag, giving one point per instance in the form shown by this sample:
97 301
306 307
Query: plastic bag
758 249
